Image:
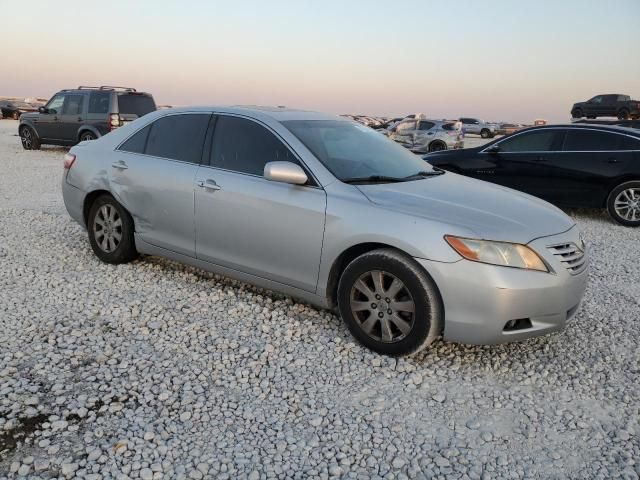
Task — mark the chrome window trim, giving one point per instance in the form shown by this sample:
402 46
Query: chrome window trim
563 151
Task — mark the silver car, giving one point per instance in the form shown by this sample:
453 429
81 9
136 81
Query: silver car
330 211
423 136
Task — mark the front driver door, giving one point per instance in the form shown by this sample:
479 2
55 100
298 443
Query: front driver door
253 225
523 161
47 123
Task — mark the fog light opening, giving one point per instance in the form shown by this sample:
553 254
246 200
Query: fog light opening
517 324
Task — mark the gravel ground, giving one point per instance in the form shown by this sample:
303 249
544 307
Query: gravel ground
157 370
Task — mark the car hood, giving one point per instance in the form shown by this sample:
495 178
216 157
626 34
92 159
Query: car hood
485 210
29 115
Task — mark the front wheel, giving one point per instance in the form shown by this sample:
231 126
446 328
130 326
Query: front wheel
485 133
29 139
437 146
389 303
110 230
577 113
623 203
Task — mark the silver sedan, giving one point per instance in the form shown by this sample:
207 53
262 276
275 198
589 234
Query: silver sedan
327 210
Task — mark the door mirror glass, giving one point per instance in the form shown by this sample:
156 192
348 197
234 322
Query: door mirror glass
43 110
285 172
493 149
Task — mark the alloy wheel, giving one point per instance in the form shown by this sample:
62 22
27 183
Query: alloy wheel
382 305
107 228
627 204
26 138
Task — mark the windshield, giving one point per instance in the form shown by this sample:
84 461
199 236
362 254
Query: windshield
350 150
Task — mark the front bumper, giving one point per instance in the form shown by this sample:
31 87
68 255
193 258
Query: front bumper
480 299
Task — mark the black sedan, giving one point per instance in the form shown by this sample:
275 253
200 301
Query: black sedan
568 165
14 108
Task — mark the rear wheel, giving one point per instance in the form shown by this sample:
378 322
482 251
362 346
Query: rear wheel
29 139
86 135
485 133
110 230
437 146
389 303
623 114
623 203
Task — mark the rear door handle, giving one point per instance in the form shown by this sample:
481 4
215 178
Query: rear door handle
120 165
540 159
612 160
208 184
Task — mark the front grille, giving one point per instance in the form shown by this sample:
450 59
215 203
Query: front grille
570 256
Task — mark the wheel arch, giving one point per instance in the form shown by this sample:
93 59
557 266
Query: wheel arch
616 183
26 123
87 128
346 257
437 141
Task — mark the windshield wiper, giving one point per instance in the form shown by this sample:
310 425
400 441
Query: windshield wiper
425 173
373 179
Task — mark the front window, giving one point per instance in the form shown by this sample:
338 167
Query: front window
352 151
55 105
535 141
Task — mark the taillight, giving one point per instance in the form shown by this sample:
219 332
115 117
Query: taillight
69 159
114 121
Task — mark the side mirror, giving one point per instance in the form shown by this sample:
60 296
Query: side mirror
285 172
43 110
493 149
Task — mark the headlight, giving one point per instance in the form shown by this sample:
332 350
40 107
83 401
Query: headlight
497 253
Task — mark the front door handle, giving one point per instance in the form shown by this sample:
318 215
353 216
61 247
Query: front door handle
612 160
120 165
540 158
208 184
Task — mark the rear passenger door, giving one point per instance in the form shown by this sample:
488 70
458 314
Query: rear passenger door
589 162
153 176
249 224
71 118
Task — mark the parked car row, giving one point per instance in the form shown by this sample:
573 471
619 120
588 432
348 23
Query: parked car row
421 135
83 113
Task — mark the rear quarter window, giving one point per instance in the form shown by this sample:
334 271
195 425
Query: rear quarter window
591 140
99 102
136 104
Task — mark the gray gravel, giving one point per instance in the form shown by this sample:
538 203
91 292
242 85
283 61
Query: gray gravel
156 370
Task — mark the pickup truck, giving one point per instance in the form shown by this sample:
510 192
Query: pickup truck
479 127
610 105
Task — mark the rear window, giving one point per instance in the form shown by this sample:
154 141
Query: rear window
135 104
449 126
591 140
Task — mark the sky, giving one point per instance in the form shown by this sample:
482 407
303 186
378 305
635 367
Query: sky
510 60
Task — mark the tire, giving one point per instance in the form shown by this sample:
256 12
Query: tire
360 302
623 203
437 146
577 113
623 114
117 245
485 133
29 138
15 115
86 135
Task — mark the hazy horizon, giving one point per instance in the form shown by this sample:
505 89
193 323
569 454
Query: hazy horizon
503 60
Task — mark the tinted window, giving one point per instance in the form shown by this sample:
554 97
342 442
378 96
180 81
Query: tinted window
449 126
539 141
55 105
623 98
137 142
136 104
590 140
426 125
73 104
630 143
179 137
596 99
244 146
99 102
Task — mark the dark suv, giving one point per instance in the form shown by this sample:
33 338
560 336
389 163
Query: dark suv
611 105
84 113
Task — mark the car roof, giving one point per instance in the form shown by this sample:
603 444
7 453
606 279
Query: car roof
280 114
589 126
